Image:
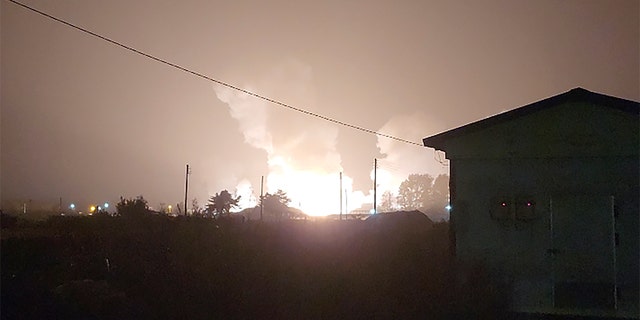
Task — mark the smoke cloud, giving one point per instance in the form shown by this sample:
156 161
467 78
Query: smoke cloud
301 150
401 159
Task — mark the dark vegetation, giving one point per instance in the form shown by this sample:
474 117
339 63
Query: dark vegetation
153 266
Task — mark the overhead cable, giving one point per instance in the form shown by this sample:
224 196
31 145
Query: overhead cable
222 83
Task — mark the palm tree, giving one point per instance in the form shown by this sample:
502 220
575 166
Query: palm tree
221 203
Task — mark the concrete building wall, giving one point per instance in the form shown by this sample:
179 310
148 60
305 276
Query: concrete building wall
579 155
517 249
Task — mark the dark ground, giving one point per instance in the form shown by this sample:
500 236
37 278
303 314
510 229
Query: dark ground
167 268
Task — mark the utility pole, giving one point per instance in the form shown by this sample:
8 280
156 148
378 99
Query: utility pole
346 204
375 184
340 195
261 195
186 189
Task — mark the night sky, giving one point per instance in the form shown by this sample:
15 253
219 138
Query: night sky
88 121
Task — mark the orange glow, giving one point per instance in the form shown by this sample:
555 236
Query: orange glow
316 193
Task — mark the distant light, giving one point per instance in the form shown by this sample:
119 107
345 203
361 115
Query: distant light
106 205
372 211
92 208
448 207
529 204
72 206
99 208
504 204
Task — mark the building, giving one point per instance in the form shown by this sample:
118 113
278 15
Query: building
546 197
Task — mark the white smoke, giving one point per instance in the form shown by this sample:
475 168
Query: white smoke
251 114
401 159
301 150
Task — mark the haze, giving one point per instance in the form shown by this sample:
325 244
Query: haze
88 121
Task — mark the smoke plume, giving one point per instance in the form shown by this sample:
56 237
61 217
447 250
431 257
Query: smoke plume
401 159
301 150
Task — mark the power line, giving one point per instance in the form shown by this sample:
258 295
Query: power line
222 83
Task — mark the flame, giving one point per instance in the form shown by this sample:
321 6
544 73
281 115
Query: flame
302 156
315 192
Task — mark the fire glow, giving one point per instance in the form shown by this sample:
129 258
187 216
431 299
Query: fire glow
316 193
302 156
301 152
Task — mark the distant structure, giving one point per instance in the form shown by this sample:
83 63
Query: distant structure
407 221
546 197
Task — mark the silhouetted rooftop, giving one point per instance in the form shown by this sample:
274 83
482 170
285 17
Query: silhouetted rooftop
574 95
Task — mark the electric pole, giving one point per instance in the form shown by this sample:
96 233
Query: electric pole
186 189
375 184
346 204
261 195
340 195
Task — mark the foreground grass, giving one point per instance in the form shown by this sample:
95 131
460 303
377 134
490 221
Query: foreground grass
157 267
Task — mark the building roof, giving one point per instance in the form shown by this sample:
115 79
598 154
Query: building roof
574 95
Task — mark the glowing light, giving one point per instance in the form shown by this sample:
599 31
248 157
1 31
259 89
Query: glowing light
72 206
106 205
92 209
315 192
448 207
504 204
247 198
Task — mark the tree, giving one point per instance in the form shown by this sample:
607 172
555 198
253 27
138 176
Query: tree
221 203
414 193
196 210
132 208
276 204
387 202
439 198
440 191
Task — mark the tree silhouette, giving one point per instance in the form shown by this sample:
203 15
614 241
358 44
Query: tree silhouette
439 198
387 202
132 208
276 204
221 203
440 191
196 210
415 192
